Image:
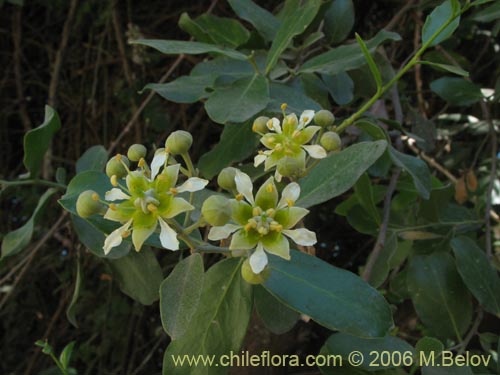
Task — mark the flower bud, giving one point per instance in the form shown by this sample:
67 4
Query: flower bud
216 210
88 204
226 179
136 152
260 124
254 278
115 166
330 141
178 142
291 167
324 118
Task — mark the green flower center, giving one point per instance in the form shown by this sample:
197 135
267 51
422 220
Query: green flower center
263 222
148 203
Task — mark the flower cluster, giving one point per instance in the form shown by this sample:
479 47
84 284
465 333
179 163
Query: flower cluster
263 223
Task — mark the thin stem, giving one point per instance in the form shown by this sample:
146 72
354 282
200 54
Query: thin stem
33 182
58 363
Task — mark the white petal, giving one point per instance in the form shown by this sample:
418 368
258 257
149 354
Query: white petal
259 159
192 184
290 193
305 118
244 185
219 233
158 162
115 194
316 151
277 176
301 236
258 260
115 238
274 124
168 236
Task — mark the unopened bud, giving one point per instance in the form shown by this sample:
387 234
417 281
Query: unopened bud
115 166
136 152
291 167
178 142
254 278
260 125
216 210
330 141
87 204
226 179
324 118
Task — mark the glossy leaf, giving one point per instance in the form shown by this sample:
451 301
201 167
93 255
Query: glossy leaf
264 22
238 101
369 60
221 31
417 168
237 142
333 297
176 47
180 294
345 58
457 91
440 298
338 172
477 273
296 18
185 89
438 17
37 141
138 275
343 344
340 86
17 240
277 317
93 159
220 323
449 68
339 20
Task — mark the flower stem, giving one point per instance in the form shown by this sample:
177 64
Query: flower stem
32 182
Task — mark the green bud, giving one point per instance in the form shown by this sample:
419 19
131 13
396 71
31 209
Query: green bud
88 204
216 210
291 167
178 142
136 152
115 166
260 124
330 141
254 278
324 118
226 179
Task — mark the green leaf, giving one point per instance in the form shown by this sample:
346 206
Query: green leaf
71 310
220 323
489 14
429 344
297 101
37 141
215 30
138 275
345 58
333 297
338 172
65 356
185 89
417 168
373 130
477 273
180 295
176 47
17 240
224 66
343 344
448 370
448 68
456 91
364 192
340 86
434 21
339 20
371 63
238 101
237 142
296 18
382 264
94 159
277 317
440 298
264 22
